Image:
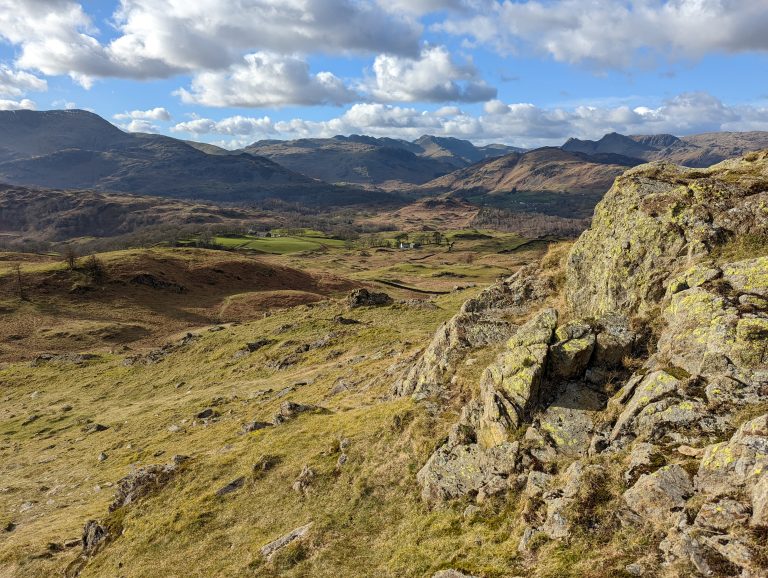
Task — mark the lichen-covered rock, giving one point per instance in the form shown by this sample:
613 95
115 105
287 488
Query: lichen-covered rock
481 321
460 470
569 357
656 496
738 464
657 219
650 388
644 458
569 420
144 481
269 550
614 341
509 387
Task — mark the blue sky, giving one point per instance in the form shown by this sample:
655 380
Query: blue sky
521 72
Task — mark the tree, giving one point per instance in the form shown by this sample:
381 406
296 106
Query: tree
437 237
19 282
70 257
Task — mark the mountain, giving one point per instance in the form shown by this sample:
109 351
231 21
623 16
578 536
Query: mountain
76 149
612 143
531 178
381 162
701 150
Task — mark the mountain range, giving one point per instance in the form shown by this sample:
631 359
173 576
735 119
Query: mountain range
381 162
76 149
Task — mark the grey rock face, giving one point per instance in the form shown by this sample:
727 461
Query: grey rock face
656 496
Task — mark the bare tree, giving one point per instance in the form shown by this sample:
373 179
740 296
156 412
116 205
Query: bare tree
70 257
22 294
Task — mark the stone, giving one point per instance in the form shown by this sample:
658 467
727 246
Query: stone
569 420
94 537
289 410
94 428
481 321
738 463
365 298
102 457
452 472
722 515
207 413
256 425
232 486
269 550
144 481
614 342
510 387
570 355
657 219
644 458
536 484
302 483
656 496
651 387
451 574
760 502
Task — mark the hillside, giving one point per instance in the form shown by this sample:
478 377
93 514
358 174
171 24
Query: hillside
539 172
75 149
52 215
382 162
598 412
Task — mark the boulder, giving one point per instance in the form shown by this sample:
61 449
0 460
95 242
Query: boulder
569 420
644 458
460 470
656 496
738 464
144 481
365 298
649 388
289 410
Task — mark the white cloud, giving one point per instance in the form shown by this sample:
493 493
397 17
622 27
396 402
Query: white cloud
433 77
17 82
161 39
522 124
266 79
610 34
158 113
24 104
232 126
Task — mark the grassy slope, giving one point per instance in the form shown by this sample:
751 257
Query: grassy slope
369 519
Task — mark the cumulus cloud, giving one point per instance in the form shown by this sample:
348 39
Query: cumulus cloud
17 82
267 79
161 39
158 113
231 126
24 104
433 77
523 124
613 34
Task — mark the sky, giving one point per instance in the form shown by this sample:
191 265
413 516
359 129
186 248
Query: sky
520 72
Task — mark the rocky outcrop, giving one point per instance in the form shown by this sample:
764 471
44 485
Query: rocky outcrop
655 220
660 285
481 321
